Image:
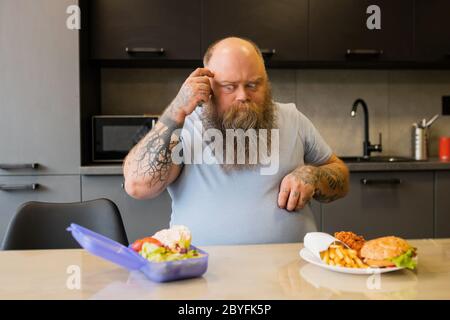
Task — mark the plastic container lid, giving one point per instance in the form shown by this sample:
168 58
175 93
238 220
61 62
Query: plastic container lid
107 248
125 257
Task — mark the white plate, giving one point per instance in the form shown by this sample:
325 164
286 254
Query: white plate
311 258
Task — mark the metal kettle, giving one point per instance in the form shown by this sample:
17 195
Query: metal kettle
420 138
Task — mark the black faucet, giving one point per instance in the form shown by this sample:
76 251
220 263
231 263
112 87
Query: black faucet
367 147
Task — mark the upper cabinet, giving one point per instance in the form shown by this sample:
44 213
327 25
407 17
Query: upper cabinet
149 29
344 30
278 27
39 89
290 33
432 30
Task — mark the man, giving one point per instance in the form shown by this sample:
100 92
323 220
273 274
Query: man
232 203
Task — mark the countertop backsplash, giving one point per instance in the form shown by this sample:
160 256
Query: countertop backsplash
395 99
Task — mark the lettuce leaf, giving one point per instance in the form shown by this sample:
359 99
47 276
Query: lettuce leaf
154 253
406 260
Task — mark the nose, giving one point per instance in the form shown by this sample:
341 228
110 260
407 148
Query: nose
241 94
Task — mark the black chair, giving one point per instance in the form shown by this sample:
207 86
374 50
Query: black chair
42 225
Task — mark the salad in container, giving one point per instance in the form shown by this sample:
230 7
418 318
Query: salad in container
168 255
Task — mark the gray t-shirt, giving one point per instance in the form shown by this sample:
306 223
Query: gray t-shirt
241 207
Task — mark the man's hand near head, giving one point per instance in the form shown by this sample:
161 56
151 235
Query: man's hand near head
194 91
324 183
148 168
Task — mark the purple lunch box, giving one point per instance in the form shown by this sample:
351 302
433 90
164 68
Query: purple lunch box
125 257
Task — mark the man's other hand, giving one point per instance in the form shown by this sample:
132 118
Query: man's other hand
297 188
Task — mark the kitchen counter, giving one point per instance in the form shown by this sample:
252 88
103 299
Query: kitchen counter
102 170
430 165
235 272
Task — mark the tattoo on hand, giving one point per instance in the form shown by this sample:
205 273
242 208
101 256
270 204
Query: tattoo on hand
329 184
307 175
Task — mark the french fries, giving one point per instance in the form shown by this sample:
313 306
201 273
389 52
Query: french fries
338 255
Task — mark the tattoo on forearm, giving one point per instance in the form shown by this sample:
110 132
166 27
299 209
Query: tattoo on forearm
153 155
333 177
181 99
335 184
151 158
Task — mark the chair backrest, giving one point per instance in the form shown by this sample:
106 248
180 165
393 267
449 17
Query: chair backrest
42 225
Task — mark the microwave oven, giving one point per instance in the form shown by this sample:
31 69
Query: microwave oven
114 136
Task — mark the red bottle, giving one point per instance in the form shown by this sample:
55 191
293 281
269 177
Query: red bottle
444 148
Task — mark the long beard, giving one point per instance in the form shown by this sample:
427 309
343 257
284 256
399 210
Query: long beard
245 116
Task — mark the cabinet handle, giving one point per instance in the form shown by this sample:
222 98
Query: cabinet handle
380 181
19 187
6 166
158 51
268 52
364 52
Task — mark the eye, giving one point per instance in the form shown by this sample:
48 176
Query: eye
252 85
228 88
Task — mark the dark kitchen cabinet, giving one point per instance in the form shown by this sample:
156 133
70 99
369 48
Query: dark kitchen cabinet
16 190
442 198
432 30
338 31
384 203
141 217
150 29
278 27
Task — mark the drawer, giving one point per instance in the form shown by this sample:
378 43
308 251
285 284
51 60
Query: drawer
384 203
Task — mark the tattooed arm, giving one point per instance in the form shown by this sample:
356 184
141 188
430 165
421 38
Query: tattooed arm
324 183
332 180
148 168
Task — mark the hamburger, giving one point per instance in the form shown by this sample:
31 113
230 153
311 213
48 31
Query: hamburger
388 252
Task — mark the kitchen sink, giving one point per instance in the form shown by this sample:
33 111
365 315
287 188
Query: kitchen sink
377 159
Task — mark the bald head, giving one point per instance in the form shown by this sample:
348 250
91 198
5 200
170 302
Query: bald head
235 53
236 45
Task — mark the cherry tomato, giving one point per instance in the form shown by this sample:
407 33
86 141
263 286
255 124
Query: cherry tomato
137 245
152 240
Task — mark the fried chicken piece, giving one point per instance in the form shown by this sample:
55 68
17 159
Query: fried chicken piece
351 239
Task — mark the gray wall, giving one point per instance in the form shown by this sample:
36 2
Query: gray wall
396 99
